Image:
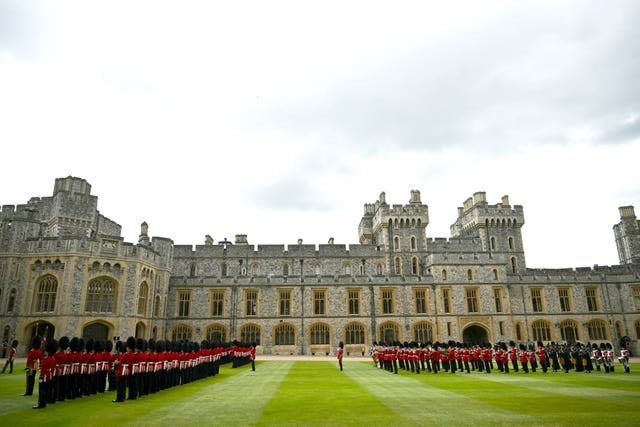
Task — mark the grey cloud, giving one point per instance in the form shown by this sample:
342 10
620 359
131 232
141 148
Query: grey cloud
522 77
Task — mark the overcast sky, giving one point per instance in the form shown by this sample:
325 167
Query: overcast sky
280 120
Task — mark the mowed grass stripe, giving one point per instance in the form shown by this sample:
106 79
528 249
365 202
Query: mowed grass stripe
235 401
540 403
318 394
416 400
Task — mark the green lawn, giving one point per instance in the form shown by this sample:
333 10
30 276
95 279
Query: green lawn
317 393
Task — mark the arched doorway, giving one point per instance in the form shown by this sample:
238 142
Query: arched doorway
475 334
140 330
41 328
96 331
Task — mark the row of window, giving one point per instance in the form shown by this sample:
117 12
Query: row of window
567 330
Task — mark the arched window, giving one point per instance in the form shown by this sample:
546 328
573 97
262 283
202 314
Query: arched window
514 265
192 269
379 269
101 295
354 333
495 274
398 265
285 270
318 269
541 330
11 303
223 269
44 300
413 243
597 330
423 332
444 275
469 274
347 269
319 334
493 243
389 332
511 243
182 333
569 331
156 306
255 268
142 299
216 333
414 265
518 331
250 333
362 270
637 328
284 334
396 243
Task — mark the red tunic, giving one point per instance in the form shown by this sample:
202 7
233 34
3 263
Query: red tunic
48 369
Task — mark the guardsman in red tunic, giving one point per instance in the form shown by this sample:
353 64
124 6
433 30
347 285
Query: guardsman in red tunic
541 353
11 357
524 359
47 373
505 357
513 355
487 355
34 357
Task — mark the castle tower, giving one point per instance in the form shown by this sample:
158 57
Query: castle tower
498 226
73 210
399 230
627 234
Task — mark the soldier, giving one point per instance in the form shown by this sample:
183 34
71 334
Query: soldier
524 359
339 356
110 367
34 357
47 373
123 369
487 354
624 359
513 355
542 357
11 357
596 356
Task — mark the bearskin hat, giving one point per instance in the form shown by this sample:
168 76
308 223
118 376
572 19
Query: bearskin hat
140 344
151 345
609 346
73 344
602 346
512 343
81 344
522 347
540 344
89 345
504 346
51 346
131 343
14 344
98 346
108 346
594 346
36 342
63 343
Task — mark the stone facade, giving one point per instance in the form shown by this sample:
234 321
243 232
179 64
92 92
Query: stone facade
65 270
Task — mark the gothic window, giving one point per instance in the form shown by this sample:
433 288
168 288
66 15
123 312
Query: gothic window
223 269
422 332
597 330
398 265
284 334
495 274
420 297
493 243
518 331
250 333
184 303
255 268
192 269
354 333
182 333
445 276
469 274
143 295
251 302
635 295
101 295
569 331
637 327
12 300
285 270
497 297
514 265
446 300
156 306
396 243
216 298
413 243
318 269
45 297
284 302
414 265
379 269
536 300
471 295
319 301
389 332
362 270
592 299
347 269
565 299
319 334
541 330
354 301
511 243
216 333
388 301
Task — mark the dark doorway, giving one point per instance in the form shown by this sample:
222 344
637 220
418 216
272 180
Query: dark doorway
475 335
95 331
43 329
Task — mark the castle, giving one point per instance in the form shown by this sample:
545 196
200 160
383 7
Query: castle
65 270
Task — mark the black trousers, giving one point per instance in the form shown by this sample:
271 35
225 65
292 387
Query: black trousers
43 393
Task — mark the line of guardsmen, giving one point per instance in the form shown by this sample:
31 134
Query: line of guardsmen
453 356
72 368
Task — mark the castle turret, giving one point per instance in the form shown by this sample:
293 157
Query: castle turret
627 234
498 227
